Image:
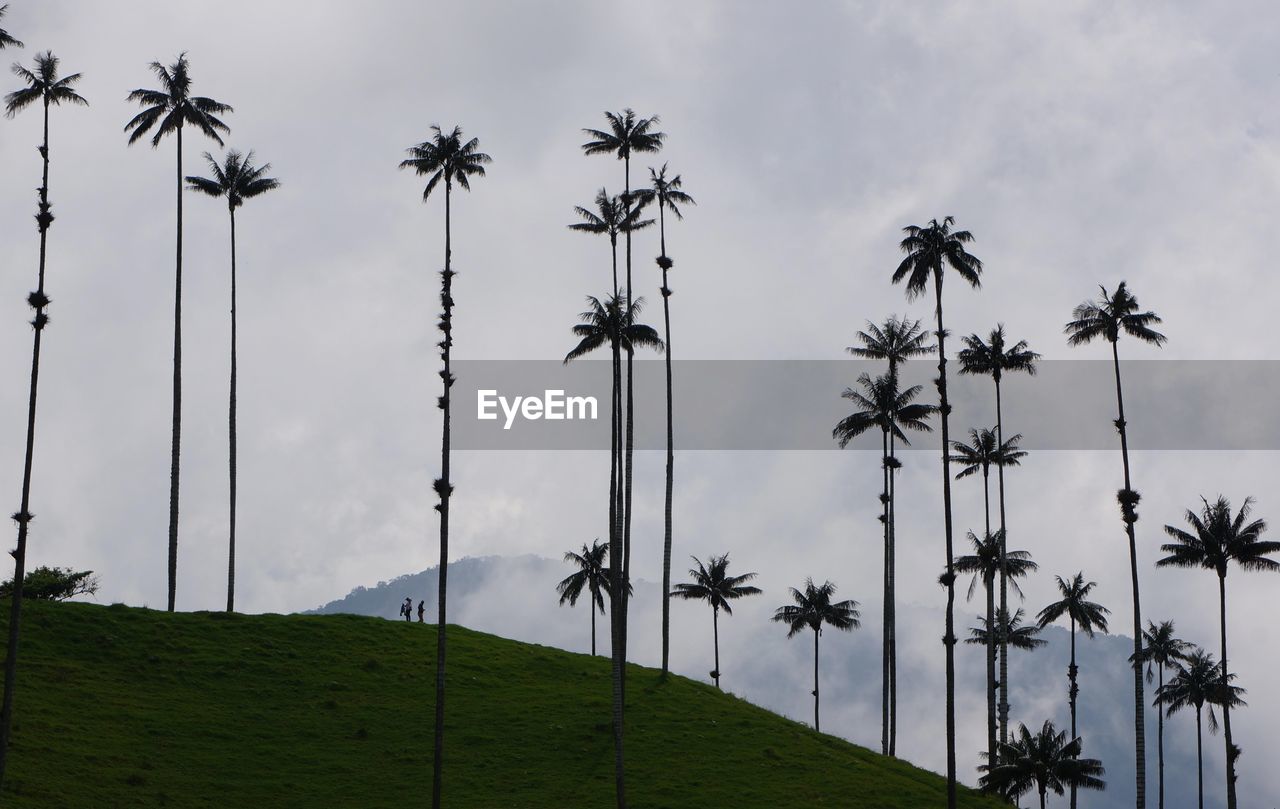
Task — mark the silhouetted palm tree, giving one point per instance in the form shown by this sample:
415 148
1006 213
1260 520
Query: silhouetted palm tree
592 576
812 609
669 196
1083 613
7 41
713 584
1107 318
1199 681
1010 631
444 156
613 324
993 358
984 563
1216 540
896 341
626 135
609 219
929 250
885 407
43 85
169 110
1160 649
1043 761
236 180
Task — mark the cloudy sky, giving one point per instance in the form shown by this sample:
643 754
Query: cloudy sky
1081 142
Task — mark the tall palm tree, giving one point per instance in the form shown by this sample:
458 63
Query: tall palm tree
1042 761
1215 541
1198 681
1161 649
669 195
613 324
1108 317
812 609
42 85
713 584
985 563
168 111
1089 616
929 250
626 135
896 341
882 405
7 41
593 576
236 180
994 358
444 156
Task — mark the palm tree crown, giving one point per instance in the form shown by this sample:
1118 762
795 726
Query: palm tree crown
665 192
1111 314
984 562
1044 761
1008 630
592 575
446 157
1197 682
236 178
814 607
173 106
985 452
898 340
627 135
931 247
606 323
610 217
1160 647
883 406
43 84
713 584
993 358
7 41
1217 538
1087 615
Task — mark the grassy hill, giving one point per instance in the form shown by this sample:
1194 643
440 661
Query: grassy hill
119 706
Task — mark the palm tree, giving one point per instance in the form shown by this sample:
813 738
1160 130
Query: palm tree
609 218
7 41
713 584
591 575
236 180
1216 540
1198 681
994 359
669 196
1088 616
812 609
43 85
1161 649
985 563
1044 761
929 250
1007 630
169 110
887 408
896 341
625 136
1109 317
444 156
613 323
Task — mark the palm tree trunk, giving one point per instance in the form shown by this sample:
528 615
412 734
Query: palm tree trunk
231 421
1199 759
1160 735
1129 514
893 607
1042 794
715 634
1226 703
23 517
1004 579
616 616
630 438
949 639
884 638
671 457
445 489
816 725
593 627
176 445
1073 692
991 643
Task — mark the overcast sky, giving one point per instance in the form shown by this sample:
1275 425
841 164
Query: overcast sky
1082 143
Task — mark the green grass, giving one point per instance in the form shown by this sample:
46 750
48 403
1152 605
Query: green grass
119 706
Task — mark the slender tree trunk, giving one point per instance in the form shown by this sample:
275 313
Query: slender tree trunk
1130 515
1004 579
38 301
884 638
671 457
993 635
893 597
176 446
444 488
630 439
1160 736
1226 707
715 635
1042 794
949 639
231 421
1199 759
616 596
593 627
1073 691
816 725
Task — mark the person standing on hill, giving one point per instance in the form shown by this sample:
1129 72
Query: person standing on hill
422 607
406 609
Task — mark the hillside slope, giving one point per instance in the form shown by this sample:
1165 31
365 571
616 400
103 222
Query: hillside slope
128 707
